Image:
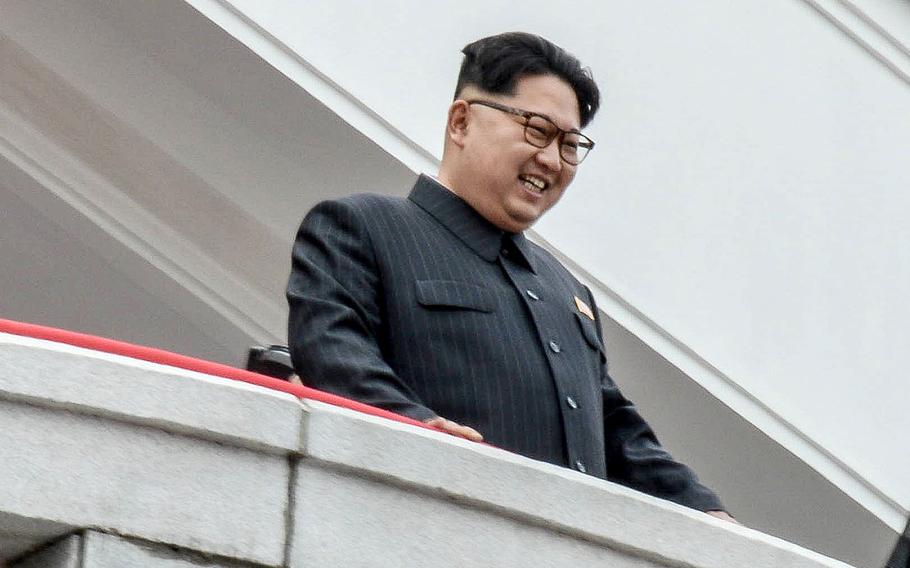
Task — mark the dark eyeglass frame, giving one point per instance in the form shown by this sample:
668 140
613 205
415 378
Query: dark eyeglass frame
557 132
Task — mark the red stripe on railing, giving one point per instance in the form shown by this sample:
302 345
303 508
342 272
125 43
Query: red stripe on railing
189 363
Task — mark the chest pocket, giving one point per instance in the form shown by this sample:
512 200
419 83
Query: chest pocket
454 295
589 331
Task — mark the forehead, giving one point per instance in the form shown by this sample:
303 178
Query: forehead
548 95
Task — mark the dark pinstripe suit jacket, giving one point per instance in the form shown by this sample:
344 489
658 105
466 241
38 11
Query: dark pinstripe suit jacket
422 307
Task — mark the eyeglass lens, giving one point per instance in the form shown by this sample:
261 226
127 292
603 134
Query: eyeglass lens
540 132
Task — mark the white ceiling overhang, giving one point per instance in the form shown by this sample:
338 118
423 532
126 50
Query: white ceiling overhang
155 153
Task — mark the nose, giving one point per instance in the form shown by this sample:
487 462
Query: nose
549 156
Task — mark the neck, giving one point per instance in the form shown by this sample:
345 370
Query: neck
446 179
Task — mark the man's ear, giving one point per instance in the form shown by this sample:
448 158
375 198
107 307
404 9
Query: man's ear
457 122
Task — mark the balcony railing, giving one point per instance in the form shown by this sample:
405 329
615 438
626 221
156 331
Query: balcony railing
113 454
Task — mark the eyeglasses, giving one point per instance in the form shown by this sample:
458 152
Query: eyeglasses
540 131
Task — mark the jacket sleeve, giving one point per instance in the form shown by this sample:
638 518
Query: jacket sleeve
334 324
635 457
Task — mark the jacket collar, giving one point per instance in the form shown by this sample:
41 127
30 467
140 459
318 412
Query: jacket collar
453 213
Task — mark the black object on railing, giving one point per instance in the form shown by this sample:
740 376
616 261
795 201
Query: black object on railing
274 361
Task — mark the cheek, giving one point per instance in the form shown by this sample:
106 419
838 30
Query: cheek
568 174
497 158
565 180
554 197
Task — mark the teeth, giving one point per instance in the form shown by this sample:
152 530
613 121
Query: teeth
534 183
531 187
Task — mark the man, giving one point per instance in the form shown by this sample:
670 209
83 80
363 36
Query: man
438 308
900 556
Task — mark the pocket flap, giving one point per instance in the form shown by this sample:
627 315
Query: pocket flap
589 330
454 294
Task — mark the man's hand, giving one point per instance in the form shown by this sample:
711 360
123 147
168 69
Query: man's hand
454 428
723 515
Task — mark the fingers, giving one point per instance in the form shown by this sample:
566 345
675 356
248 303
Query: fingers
723 515
454 428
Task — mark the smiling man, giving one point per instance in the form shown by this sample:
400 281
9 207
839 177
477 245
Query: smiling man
438 308
512 180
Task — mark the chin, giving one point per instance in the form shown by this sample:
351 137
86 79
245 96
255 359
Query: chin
518 225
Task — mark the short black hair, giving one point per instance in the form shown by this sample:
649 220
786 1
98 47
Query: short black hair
496 63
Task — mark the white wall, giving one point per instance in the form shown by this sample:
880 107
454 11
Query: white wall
153 171
746 197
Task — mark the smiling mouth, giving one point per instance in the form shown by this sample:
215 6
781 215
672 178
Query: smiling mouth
534 183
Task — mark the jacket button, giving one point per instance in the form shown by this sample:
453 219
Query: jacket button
571 402
554 347
580 466
532 295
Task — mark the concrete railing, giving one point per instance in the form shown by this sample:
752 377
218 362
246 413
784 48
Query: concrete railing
107 460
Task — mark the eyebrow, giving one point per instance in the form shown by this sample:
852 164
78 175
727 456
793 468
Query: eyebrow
548 117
